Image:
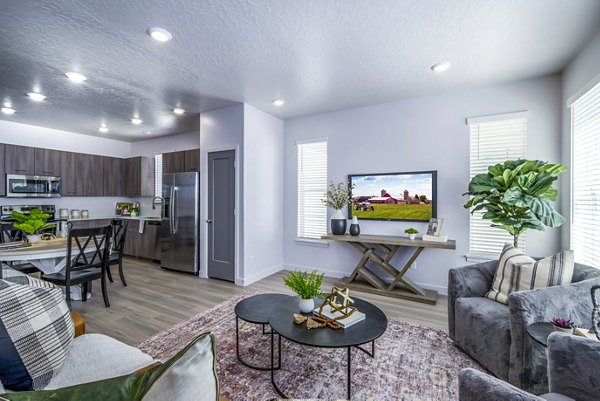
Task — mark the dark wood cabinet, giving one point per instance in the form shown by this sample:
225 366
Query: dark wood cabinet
192 160
132 239
2 172
47 162
113 176
173 162
138 176
19 160
144 245
93 173
72 172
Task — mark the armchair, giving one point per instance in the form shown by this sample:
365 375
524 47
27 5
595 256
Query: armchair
573 373
495 334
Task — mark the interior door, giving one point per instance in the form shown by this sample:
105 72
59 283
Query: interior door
221 215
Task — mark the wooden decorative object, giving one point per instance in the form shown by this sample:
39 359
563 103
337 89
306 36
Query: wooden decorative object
299 319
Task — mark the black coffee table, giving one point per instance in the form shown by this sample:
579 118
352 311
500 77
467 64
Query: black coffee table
255 310
361 333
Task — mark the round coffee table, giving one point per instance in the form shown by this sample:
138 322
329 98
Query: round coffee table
540 331
255 310
367 331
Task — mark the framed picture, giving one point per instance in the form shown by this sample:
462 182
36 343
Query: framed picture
435 226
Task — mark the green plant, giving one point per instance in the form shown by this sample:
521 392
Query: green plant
517 195
338 196
411 231
32 223
307 286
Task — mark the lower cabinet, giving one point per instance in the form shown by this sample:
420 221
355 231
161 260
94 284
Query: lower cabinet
144 245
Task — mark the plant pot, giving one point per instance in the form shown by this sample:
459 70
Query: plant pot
34 238
307 305
562 329
338 223
354 227
412 236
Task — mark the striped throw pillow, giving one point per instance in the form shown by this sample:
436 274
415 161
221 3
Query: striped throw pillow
518 272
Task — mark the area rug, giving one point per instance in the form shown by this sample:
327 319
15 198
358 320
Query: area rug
412 362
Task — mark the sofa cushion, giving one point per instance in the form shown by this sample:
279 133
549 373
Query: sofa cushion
35 332
15 276
518 272
483 331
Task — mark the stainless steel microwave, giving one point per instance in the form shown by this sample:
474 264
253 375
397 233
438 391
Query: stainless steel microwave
32 186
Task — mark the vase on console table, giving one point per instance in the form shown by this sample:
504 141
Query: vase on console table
354 227
338 222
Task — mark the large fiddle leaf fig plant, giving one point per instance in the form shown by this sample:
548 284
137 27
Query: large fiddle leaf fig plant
517 195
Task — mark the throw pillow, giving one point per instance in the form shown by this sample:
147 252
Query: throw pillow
188 376
518 272
15 276
36 330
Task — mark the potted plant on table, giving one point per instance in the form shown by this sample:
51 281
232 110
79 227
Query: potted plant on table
412 232
33 224
338 197
563 325
307 287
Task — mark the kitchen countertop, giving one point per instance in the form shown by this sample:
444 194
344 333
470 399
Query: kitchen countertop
147 218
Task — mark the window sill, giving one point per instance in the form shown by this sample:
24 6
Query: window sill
312 242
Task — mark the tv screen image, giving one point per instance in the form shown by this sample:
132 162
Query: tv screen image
409 196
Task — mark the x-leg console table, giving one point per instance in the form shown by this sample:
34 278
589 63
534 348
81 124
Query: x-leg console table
379 250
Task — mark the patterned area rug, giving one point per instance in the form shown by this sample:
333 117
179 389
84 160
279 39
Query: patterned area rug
411 362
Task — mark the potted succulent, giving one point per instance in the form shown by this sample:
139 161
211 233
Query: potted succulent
32 224
563 325
338 197
306 286
412 232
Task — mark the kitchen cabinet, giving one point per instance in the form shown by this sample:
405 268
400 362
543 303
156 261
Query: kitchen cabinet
47 162
72 168
192 160
19 160
2 172
113 176
93 168
173 162
132 239
138 176
146 245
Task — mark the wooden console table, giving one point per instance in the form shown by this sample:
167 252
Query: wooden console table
380 249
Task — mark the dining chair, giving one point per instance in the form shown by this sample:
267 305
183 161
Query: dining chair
119 233
87 260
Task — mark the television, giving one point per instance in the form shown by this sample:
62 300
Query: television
408 196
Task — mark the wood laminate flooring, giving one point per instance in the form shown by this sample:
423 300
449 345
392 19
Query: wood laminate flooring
157 299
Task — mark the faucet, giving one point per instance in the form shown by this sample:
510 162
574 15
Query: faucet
154 202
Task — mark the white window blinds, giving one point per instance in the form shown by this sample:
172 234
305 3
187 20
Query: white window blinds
158 175
585 170
312 185
494 139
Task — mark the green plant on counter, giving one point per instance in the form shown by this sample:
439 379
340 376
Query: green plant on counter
33 223
411 231
307 286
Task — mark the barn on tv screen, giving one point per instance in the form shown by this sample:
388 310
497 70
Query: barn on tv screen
409 196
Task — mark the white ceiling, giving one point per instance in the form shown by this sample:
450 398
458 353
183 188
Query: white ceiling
318 55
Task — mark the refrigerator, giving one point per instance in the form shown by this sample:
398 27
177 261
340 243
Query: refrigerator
179 227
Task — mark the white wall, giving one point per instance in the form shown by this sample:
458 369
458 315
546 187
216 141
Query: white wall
427 133
222 129
263 203
165 144
579 75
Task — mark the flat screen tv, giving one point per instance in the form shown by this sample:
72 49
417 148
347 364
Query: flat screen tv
408 196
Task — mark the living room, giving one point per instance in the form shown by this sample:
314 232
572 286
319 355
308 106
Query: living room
290 99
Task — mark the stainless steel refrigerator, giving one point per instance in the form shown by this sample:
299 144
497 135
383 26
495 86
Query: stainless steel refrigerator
179 228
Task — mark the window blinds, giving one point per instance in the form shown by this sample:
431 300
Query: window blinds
494 139
158 170
312 185
585 193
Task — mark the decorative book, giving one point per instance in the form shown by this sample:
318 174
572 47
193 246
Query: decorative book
345 322
433 238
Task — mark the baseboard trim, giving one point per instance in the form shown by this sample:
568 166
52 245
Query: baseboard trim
246 281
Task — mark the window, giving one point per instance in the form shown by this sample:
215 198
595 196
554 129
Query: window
312 184
494 139
158 171
585 178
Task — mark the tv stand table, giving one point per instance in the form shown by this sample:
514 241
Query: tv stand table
379 250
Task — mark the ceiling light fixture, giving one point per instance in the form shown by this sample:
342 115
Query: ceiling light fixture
278 102
103 129
441 67
159 34
178 110
76 77
147 132
136 121
8 110
36 96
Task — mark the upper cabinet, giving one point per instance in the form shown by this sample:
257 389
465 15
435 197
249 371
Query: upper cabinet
2 172
72 168
181 162
19 160
94 175
47 162
113 176
192 160
138 176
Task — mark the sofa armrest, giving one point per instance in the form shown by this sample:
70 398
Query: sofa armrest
574 366
474 385
79 323
469 281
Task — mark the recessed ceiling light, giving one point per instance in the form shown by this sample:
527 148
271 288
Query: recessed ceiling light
8 110
147 132
76 77
159 34
103 129
441 67
278 102
36 96
178 110
136 121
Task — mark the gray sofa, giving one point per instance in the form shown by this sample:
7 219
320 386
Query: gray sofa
495 334
573 370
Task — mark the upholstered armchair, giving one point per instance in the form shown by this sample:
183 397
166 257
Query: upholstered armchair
495 334
573 370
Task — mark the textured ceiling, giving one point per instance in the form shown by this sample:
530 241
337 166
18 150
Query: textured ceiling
318 55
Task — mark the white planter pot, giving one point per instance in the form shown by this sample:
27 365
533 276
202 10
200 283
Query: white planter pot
34 238
563 330
412 236
307 305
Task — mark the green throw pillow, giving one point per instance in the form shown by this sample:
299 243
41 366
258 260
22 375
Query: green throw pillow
189 375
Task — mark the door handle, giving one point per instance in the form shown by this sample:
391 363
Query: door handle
209 221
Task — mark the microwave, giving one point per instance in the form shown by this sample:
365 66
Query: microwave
32 186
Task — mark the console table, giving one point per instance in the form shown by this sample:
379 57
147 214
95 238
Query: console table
380 249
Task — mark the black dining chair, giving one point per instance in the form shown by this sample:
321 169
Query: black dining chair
119 233
86 263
